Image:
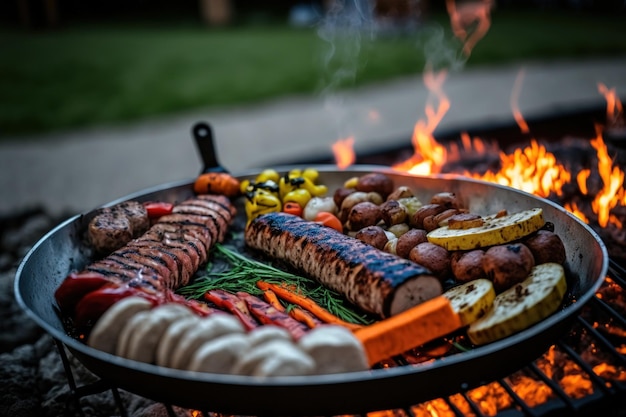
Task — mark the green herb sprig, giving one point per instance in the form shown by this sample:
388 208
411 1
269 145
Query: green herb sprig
243 273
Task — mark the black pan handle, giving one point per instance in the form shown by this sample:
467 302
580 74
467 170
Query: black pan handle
203 135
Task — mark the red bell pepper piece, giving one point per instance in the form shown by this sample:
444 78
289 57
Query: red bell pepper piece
75 286
93 305
196 306
231 303
292 207
267 314
157 209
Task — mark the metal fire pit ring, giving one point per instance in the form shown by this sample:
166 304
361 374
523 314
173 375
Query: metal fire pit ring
63 250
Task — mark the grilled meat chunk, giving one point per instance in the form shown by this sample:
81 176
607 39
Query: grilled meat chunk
171 251
376 281
113 226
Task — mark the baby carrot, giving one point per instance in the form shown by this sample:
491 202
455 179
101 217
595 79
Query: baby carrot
306 303
305 317
272 299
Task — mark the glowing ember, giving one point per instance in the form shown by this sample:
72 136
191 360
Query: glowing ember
344 152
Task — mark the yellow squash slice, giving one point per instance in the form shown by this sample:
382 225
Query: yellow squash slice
522 305
472 299
494 231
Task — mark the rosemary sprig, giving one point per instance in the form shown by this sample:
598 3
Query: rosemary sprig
243 273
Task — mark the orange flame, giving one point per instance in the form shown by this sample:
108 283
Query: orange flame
573 208
517 114
429 155
532 169
343 150
612 192
614 110
470 21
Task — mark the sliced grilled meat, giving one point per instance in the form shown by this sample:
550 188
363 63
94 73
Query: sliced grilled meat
376 281
171 251
196 238
113 226
120 272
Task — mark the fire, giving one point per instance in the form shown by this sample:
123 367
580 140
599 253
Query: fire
344 152
470 21
614 110
573 208
429 156
532 169
612 193
517 114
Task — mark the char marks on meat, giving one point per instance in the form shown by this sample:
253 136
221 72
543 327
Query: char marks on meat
168 254
112 226
369 278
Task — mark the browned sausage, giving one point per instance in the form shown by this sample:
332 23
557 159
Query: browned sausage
376 281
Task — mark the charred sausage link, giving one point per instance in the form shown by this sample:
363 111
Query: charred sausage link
375 281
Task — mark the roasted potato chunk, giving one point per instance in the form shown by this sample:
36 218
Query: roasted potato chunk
433 257
546 247
374 236
467 266
507 265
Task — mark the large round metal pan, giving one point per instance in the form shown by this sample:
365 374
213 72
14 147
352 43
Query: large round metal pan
63 250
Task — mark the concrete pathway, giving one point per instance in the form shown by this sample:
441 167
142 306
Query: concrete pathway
78 170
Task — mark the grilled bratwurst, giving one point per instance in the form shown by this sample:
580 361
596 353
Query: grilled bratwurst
376 281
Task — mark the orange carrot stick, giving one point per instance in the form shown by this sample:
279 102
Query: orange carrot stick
306 303
272 299
407 330
305 317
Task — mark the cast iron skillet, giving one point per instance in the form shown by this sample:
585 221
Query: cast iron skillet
63 250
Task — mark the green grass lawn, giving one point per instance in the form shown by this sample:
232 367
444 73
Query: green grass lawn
79 76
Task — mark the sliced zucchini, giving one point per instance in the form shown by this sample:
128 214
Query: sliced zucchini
494 231
472 299
522 305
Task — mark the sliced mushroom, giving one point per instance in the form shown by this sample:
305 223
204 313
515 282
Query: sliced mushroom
107 330
171 337
220 354
144 339
207 329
